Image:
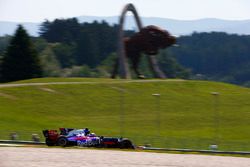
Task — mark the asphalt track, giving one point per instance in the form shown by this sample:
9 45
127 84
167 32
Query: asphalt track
59 157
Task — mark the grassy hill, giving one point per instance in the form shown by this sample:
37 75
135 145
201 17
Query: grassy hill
185 115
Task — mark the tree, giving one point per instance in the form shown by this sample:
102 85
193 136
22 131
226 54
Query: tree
4 42
50 65
171 67
60 30
21 60
64 54
81 43
95 42
215 56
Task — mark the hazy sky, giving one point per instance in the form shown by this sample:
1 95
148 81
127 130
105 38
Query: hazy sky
38 10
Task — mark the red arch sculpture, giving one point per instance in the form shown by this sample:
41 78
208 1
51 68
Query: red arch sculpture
148 40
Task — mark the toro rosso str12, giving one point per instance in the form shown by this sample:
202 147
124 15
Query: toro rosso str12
79 137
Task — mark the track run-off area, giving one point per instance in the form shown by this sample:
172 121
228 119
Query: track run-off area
64 157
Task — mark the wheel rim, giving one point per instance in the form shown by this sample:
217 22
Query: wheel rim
62 142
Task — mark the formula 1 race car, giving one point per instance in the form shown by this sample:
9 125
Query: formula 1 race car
79 137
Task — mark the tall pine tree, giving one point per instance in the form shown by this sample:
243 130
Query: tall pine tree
21 60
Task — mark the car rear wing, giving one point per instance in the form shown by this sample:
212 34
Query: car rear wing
63 131
50 133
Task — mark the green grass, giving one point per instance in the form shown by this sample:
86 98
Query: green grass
190 117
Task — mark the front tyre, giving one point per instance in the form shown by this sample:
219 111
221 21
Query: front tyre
62 141
125 144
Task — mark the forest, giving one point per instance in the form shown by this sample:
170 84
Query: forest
67 48
215 56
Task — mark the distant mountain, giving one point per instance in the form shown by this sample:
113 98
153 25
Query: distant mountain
182 27
177 27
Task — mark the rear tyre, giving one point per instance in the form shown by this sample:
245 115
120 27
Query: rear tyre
62 141
49 142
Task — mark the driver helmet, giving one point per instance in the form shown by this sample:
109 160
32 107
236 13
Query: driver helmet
86 131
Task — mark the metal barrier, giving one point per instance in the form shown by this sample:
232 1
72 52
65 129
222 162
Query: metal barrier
21 136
